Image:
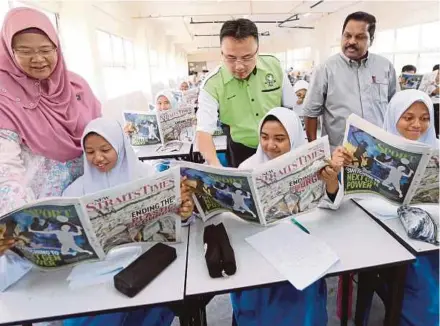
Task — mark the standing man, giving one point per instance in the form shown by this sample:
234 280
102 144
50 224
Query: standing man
353 81
239 93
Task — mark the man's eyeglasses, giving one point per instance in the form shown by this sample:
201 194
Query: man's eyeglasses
234 60
27 54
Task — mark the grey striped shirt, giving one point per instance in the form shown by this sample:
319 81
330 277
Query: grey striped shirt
341 86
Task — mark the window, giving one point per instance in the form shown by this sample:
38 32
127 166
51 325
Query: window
299 59
407 38
383 42
335 49
430 37
117 57
428 60
402 59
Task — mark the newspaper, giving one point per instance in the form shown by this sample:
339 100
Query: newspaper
427 191
282 187
384 164
410 81
178 124
190 96
142 128
56 232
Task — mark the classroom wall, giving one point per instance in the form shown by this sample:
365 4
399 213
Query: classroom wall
327 32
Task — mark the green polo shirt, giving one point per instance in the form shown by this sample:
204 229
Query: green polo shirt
243 103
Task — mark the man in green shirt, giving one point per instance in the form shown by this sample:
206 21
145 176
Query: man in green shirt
239 93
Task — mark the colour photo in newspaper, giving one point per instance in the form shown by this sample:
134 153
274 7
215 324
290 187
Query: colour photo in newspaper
290 184
142 128
428 190
178 124
49 235
380 167
218 190
410 81
144 210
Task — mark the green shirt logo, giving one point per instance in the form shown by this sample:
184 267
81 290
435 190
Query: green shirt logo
270 80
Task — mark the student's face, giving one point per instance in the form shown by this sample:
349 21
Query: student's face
100 153
414 121
162 103
35 54
239 56
355 40
184 86
301 94
274 139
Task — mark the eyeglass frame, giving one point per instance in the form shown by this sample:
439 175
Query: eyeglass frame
243 61
35 53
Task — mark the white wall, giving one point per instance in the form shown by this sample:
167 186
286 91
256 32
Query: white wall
327 32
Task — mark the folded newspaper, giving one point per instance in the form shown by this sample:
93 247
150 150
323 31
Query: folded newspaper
178 124
142 128
399 170
410 81
55 232
280 188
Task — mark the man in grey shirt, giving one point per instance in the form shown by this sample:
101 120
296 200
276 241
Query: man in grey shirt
353 81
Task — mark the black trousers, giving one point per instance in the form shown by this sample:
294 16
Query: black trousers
436 113
236 153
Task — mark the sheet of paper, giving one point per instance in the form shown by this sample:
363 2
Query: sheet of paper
301 258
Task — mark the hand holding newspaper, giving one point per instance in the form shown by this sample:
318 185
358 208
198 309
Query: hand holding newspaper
399 170
55 232
282 187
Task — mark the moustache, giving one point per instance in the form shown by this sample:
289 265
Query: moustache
354 47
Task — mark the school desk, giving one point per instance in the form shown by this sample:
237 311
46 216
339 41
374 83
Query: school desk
352 234
44 296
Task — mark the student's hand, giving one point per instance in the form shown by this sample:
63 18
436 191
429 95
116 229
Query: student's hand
5 245
186 208
342 157
435 91
329 175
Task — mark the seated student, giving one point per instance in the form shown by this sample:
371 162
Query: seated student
165 100
184 86
431 86
410 115
280 132
109 160
300 88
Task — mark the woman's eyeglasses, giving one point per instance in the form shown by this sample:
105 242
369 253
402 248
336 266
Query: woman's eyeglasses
27 54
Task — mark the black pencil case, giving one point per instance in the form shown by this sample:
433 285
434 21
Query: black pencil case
227 253
136 276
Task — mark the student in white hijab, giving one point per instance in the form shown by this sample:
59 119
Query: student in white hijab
300 88
410 114
165 100
109 160
281 132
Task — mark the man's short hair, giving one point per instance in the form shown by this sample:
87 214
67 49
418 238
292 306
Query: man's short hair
364 17
409 68
436 67
239 29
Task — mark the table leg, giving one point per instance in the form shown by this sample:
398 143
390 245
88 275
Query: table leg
397 284
365 291
345 293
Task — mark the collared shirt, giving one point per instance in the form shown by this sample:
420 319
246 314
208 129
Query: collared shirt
341 86
242 103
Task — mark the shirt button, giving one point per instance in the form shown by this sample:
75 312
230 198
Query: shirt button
17 99
252 100
31 105
256 114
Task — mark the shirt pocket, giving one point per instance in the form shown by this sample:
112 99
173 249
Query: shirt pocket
380 88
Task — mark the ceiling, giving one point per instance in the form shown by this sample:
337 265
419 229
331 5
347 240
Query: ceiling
192 23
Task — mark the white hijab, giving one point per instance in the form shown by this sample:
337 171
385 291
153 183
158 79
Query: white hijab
291 122
127 168
300 84
400 102
169 95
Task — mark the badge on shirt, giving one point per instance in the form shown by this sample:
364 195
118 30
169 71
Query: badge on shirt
270 80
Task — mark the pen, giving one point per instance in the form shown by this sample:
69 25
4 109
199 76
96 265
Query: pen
302 227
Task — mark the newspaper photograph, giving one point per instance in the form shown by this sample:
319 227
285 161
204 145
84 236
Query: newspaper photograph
384 164
428 190
290 184
218 190
143 210
142 128
178 124
410 81
190 96
49 234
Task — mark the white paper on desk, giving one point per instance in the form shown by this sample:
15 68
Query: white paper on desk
301 258
99 272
